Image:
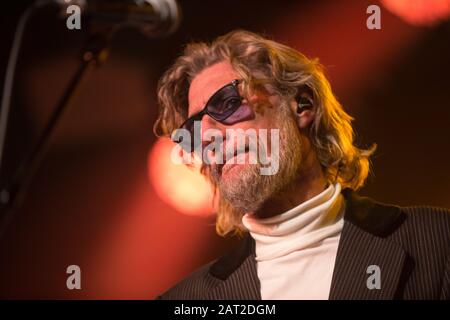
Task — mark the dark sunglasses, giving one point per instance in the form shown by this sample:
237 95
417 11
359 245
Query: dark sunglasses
220 106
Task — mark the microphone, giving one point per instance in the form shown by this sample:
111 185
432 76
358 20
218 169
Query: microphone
153 18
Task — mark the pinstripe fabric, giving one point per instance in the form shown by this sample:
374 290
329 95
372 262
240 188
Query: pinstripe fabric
357 251
234 277
241 285
410 245
445 293
426 240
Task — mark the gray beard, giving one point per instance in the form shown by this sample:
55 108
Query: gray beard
250 190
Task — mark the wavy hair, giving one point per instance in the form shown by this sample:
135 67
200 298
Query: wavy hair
283 71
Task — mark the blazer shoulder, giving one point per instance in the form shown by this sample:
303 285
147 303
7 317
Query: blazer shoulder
190 288
427 227
429 217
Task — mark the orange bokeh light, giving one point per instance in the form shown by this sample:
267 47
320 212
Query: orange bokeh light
419 12
182 187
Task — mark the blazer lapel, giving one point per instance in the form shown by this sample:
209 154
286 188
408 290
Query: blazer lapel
364 242
234 276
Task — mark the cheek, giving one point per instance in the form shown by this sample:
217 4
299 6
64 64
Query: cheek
268 120
244 113
269 123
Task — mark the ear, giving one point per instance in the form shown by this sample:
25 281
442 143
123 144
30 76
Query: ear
305 109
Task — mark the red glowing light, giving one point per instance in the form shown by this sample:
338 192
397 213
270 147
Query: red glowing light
183 188
419 12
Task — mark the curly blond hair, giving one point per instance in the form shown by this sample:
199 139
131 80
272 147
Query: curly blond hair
284 71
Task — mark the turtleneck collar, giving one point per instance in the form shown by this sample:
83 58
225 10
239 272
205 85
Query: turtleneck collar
306 225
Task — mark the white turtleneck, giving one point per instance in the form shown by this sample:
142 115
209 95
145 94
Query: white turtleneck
296 250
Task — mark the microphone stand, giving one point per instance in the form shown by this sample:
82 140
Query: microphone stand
13 192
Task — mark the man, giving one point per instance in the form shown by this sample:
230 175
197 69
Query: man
306 233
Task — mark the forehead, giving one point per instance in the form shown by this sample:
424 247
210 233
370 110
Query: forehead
207 82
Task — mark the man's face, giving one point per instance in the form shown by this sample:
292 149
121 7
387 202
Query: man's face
242 184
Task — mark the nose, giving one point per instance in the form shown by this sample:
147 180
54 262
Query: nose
211 128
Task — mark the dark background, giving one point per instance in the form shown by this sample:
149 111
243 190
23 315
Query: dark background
91 202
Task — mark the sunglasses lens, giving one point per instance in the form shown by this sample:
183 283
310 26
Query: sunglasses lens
220 106
224 103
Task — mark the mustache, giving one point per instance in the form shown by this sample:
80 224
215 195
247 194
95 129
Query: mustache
213 171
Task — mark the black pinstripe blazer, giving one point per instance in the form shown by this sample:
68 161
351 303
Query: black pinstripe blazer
410 245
